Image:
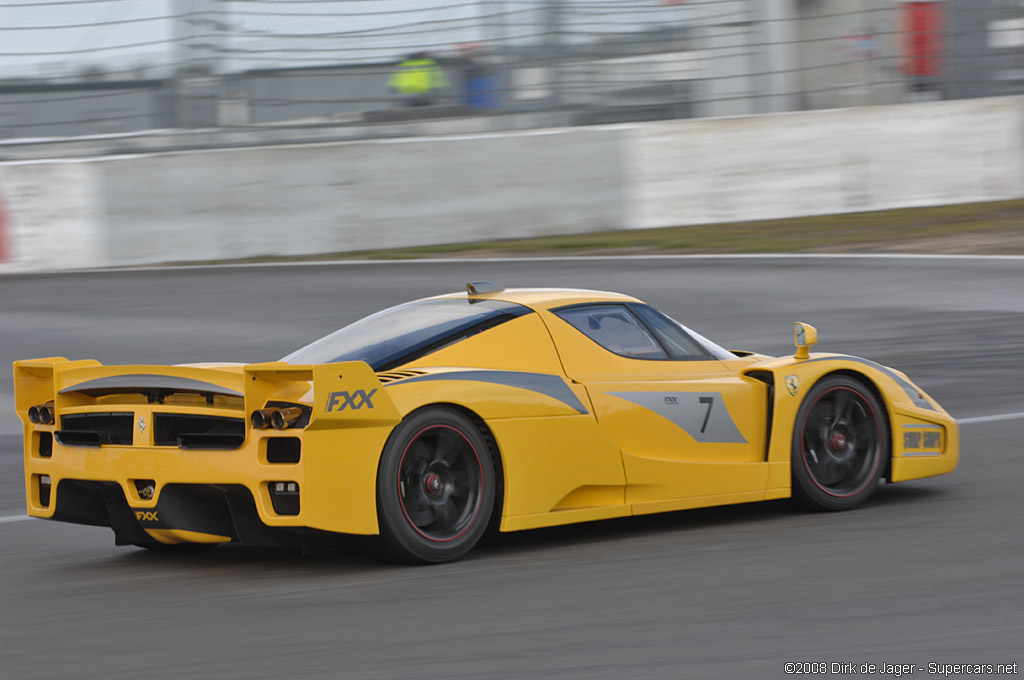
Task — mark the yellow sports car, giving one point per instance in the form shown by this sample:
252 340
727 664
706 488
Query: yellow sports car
431 422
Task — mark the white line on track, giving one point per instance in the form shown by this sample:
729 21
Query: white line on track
14 518
555 259
990 419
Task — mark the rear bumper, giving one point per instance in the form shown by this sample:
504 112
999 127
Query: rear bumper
204 496
186 513
333 472
124 466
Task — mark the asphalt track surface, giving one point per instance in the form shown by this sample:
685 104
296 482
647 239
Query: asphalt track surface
926 572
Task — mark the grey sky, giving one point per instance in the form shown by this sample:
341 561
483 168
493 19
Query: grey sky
59 37
31 43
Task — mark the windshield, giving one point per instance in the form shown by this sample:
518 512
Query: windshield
400 334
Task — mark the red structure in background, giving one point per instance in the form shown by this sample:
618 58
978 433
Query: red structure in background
924 22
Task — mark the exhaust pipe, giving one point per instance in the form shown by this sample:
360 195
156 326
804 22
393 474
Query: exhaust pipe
41 414
261 418
284 417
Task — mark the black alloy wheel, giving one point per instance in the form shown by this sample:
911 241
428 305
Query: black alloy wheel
840 442
435 486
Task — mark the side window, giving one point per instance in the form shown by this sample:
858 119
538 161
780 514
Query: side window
616 329
672 336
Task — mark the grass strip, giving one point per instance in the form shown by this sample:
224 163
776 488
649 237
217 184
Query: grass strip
991 228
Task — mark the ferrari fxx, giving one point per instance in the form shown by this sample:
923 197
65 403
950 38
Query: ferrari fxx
434 421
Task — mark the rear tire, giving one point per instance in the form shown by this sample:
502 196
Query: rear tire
435 487
840 442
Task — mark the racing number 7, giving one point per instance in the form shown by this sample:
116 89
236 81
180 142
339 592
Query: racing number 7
710 401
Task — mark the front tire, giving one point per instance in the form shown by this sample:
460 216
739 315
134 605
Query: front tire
840 442
435 486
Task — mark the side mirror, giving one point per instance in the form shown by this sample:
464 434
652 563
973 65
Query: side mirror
804 335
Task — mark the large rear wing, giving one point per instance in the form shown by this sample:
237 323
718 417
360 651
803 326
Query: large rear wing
344 394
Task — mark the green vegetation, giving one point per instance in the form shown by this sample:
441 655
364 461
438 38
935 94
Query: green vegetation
996 227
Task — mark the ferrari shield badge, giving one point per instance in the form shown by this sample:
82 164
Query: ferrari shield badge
142 424
792 384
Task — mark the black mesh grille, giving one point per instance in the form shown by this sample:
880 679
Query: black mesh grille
283 450
167 427
285 504
113 428
46 444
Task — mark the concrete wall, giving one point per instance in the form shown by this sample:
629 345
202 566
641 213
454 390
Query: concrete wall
812 163
386 193
355 196
52 216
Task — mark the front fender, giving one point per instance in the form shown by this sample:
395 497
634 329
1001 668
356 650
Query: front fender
913 416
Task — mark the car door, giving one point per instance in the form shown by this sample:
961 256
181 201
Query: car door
691 430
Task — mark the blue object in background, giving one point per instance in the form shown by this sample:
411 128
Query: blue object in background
482 92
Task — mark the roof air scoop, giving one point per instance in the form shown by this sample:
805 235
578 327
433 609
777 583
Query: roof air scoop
482 288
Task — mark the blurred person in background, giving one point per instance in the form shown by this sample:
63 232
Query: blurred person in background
418 79
480 87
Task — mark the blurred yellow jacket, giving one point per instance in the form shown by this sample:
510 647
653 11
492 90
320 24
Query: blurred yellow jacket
416 76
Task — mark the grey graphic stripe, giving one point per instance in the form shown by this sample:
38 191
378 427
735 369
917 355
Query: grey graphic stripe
707 421
907 386
551 385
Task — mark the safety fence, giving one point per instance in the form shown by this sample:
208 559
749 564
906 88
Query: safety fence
79 67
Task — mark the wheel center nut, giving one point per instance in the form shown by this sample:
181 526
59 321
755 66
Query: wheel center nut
432 483
838 441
